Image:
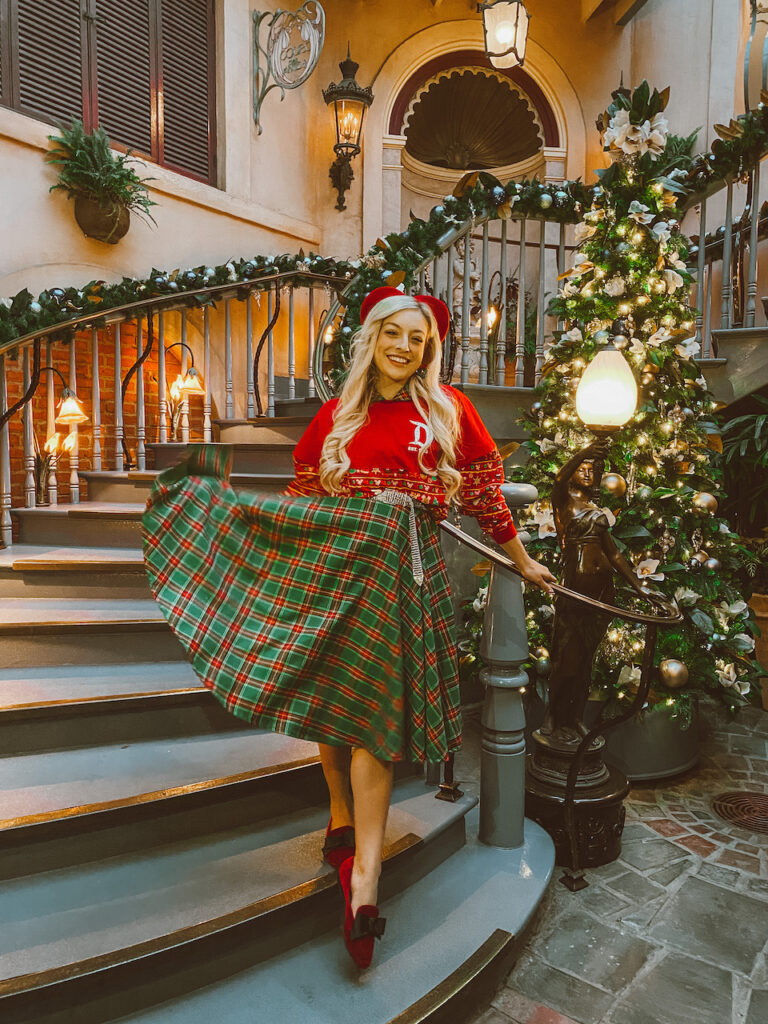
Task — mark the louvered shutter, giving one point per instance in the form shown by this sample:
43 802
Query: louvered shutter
186 48
5 53
126 72
48 39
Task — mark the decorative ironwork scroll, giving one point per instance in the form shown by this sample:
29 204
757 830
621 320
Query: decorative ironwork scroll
293 45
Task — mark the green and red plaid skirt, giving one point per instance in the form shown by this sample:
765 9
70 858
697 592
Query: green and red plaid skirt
302 614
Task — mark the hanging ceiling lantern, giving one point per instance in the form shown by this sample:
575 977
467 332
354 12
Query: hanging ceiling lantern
505 26
606 396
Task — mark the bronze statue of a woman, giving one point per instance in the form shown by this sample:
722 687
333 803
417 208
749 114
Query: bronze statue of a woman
590 560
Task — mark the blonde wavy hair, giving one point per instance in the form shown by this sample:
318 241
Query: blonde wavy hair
435 407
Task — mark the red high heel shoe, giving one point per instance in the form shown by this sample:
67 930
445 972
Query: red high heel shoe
360 932
339 844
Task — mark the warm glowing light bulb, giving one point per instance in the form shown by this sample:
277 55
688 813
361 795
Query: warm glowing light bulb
52 444
328 335
492 317
607 392
70 443
505 34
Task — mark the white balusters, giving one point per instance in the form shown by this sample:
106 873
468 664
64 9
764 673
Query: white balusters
50 427
707 327
449 301
141 430
501 323
6 530
184 368
162 401
207 373
483 369
700 270
465 304
726 294
229 402
749 314
118 402
291 346
560 264
74 455
271 354
251 399
95 402
520 326
540 317
29 446
310 344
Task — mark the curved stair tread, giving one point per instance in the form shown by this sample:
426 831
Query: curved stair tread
36 614
442 933
74 921
122 511
85 684
26 557
40 788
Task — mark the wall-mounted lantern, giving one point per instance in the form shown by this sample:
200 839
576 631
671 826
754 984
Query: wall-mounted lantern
349 102
505 26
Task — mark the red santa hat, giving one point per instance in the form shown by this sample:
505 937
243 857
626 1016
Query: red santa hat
439 309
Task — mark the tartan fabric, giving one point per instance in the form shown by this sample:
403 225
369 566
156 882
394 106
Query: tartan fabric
302 615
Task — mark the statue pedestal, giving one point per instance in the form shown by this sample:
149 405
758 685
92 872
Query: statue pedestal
598 804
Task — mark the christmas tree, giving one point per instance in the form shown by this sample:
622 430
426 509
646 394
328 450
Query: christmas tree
629 281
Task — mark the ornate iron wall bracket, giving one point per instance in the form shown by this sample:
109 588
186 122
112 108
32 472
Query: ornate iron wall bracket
293 46
342 176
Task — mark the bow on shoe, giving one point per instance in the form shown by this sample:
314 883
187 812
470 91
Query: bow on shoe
364 926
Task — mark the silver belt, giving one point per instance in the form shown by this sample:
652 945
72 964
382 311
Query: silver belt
404 500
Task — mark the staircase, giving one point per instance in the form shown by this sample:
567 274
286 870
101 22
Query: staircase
159 859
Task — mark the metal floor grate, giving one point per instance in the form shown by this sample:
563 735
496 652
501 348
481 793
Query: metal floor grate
748 810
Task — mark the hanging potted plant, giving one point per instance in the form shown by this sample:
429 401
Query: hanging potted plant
104 187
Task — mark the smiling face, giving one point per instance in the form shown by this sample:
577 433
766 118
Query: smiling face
585 475
399 349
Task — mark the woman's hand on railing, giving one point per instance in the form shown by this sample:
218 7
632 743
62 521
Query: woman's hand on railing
530 569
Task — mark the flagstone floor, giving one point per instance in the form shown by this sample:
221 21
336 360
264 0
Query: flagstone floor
676 930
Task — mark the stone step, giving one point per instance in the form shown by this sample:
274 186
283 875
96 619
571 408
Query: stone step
62 807
116 487
70 685
110 524
83 631
40 570
118 936
263 430
247 457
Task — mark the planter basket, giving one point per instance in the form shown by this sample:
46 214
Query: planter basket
651 746
106 223
759 605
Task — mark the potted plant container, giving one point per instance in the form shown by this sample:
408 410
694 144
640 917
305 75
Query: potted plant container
104 187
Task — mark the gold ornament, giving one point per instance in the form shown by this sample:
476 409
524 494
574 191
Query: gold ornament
700 556
705 501
647 379
541 652
673 673
615 484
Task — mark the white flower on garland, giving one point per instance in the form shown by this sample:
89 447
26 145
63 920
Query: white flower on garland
640 213
734 610
481 600
662 233
545 445
646 570
629 677
659 337
615 286
729 679
686 597
637 348
674 259
688 349
543 519
573 335
231 272
568 290
672 280
616 133
650 136
583 231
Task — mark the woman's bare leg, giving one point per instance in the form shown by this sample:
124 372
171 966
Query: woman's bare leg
372 791
336 763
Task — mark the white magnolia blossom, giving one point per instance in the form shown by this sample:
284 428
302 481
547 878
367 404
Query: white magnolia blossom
568 290
544 519
640 212
659 337
662 233
688 349
231 272
545 445
728 678
615 134
686 597
701 381
615 286
672 280
677 263
637 348
6 303
734 610
481 600
573 335
583 231
650 136
646 570
629 677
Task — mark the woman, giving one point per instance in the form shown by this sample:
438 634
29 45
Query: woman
344 635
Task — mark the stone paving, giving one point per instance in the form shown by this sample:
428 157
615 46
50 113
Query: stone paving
676 930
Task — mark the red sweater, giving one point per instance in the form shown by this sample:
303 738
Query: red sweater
384 454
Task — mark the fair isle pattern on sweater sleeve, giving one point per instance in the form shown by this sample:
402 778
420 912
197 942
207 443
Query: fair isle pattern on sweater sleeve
480 496
305 483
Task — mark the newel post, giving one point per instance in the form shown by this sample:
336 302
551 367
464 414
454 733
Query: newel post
504 649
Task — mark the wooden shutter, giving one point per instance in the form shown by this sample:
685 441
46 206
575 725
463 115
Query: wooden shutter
49 43
5 54
186 86
125 69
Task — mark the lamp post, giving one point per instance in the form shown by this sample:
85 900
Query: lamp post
505 28
349 102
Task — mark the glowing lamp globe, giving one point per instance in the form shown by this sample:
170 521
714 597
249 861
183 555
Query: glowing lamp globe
606 397
505 26
191 383
71 411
